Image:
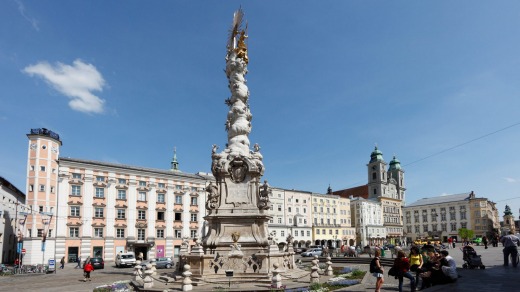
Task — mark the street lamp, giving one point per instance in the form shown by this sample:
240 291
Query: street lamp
46 220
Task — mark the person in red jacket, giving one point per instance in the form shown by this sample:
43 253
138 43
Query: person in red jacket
87 269
402 265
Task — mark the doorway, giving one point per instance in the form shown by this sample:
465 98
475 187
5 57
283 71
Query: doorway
141 249
72 255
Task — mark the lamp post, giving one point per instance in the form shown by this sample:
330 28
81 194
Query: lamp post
21 233
46 220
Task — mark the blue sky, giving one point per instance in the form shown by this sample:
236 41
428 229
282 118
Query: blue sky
127 81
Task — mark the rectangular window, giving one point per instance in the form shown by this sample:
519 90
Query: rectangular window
76 190
100 178
121 213
160 215
279 220
52 189
178 187
76 175
121 194
161 185
308 233
120 233
453 226
178 217
443 227
74 232
279 208
178 233
42 168
100 192
74 211
40 233
98 232
141 215
160 233
282 233
40 208
193 201
142 196
121 181
31 188
193 233
42 188
193 217
160 198
98 212
141 234
178 199
295 232
142 183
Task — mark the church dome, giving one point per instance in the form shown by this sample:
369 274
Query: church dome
395 164
376 155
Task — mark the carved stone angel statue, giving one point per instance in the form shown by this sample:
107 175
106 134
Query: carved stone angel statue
212 201
264 203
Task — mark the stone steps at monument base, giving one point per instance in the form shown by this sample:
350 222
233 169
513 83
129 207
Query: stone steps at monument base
236 279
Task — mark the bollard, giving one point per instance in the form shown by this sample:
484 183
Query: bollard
328 270
276 282
148 280
186 282
137 272
315 277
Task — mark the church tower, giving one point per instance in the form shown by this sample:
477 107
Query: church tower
509 220
42 194
397 173
377 176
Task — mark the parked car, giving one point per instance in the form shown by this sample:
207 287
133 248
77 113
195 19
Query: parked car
125 260
388 246
97 263
312 252
160 263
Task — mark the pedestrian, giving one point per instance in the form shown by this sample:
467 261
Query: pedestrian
62 262
86 271
485 241
416 263
78 260
510 243
402 266
377 270
450 240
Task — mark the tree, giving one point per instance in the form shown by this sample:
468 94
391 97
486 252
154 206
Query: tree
466 233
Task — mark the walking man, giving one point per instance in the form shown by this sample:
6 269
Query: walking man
78 266
510 243
62 262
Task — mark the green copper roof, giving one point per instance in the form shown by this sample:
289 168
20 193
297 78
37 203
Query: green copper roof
395 164
376 155
508 211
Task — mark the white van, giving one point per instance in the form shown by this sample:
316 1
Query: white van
126 259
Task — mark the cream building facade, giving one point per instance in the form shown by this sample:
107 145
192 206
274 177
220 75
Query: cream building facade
326 225
367 215
441 217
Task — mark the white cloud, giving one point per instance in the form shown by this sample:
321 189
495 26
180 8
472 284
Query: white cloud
510 180
31 20
76 81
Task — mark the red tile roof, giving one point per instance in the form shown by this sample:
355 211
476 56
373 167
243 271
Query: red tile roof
359 191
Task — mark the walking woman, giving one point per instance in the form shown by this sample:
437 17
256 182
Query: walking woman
416 263
377 270
402 265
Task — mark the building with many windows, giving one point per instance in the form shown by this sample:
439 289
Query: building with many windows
441 217
299 217
367 216
99 209
12 219
326 220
